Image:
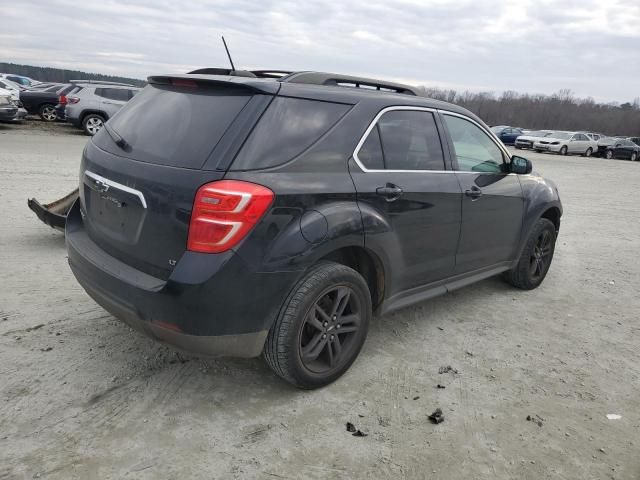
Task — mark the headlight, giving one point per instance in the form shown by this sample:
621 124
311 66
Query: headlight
5 100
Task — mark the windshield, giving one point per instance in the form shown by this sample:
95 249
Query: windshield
560 135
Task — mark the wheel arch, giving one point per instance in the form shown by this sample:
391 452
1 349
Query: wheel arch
93 111
366 263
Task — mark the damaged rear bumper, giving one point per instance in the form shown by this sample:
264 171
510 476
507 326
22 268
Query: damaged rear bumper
55 213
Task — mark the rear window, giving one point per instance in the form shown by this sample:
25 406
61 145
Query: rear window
287 128
174 126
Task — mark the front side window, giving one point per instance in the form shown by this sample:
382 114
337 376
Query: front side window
403 140
474 149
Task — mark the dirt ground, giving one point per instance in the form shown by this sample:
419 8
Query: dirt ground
82 396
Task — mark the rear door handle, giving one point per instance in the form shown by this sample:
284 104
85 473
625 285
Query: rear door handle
390 192
474 192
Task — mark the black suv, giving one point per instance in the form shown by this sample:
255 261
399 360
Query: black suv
241 214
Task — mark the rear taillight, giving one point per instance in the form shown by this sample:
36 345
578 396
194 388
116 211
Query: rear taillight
62 99
224 212
73 99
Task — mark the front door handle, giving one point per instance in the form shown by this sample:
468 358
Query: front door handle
474 192
390 192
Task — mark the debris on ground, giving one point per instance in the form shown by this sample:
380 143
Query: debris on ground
436 416
613 416
441 329
537 419
416 397
440 386
351 428
46 349
469 353
447 369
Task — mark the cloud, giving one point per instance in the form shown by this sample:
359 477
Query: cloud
588 46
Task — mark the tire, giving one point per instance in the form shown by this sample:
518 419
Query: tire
538 151
47 112
588 152
92 123
302 344
536 257
563 150
609 154
517 147
634 156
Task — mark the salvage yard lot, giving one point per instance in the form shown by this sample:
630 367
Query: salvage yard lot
83 396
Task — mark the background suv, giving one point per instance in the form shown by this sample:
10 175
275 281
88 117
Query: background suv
92 105
242 215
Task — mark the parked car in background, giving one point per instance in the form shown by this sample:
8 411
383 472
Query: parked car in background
507 135
527 140
20 79
622 148
566 143
603 145
12 87
90 107
43 102
594 136
8 106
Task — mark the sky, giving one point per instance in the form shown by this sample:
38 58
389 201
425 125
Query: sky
591 47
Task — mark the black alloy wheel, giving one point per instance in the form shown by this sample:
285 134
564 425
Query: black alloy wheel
331 325
540 258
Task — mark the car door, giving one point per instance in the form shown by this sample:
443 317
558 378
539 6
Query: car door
492 203
623 149
410 200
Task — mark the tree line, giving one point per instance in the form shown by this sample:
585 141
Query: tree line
61 75
559 111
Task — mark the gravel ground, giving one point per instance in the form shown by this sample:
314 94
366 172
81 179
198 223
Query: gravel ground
82 396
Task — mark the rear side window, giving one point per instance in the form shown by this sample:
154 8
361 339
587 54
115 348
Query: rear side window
174 126
403 140
113 93
287 128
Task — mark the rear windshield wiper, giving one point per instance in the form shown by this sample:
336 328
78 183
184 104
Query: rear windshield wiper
115 136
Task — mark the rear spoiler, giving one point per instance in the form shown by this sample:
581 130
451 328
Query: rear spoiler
55 213
258 85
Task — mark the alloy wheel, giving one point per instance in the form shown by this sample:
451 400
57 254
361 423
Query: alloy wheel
328 334
49 113
540 256
94 124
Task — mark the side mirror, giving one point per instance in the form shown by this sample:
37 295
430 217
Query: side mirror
520 165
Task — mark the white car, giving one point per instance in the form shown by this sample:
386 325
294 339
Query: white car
567 143
527 140
11 87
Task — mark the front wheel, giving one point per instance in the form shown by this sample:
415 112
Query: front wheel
92 123
609 154
536 257
564 150
634 156
321 326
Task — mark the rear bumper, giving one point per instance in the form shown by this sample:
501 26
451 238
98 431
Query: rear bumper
210 305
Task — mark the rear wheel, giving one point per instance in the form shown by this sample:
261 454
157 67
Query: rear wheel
92 123
48 113
588 152
634 156
321 327
609 154
564 150
536 257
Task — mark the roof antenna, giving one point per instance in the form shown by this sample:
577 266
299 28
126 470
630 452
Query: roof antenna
233 68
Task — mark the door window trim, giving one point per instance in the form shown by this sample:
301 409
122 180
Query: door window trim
375 122
435 112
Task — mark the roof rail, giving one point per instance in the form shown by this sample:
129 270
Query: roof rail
315 78
334 79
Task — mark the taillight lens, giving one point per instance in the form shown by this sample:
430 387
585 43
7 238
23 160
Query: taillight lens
73 99
224 212
62 99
